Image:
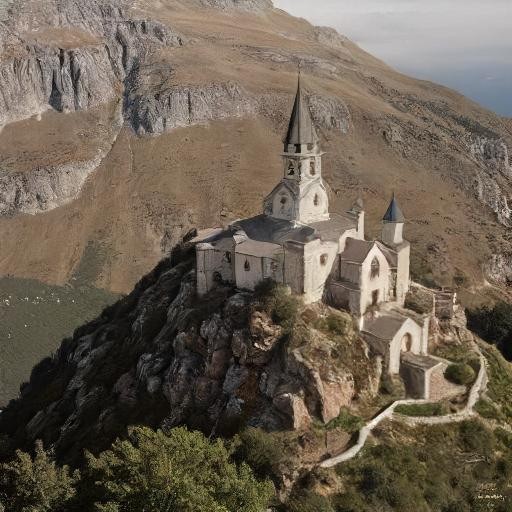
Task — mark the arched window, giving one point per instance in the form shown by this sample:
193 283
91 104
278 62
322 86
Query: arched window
375 269
312 168
247 266
324 259
291 169
406 343
316 200
228 257
284 202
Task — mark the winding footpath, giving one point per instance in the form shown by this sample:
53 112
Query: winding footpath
389 413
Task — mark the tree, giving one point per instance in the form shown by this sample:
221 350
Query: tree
35 484
494 325
180 471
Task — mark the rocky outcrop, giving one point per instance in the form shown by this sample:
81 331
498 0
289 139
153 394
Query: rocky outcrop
163 357
246 5
499 269
72 72
42 189
493 153
184 106
66 80
493 180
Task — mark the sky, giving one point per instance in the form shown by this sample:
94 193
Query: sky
464 44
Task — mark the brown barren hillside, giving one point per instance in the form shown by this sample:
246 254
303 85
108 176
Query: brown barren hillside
126 124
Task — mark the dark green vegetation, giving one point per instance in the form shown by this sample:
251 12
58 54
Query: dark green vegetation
489 411
500 381
346 421
34 317
436 468
460 373
180 471
278 303
494 325
433 409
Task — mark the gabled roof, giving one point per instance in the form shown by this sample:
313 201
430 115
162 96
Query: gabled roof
301 129
356 251
393 213
390 255
384 326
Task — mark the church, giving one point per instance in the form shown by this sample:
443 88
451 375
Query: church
318 254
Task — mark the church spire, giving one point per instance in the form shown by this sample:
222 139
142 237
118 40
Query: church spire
393 213
301 130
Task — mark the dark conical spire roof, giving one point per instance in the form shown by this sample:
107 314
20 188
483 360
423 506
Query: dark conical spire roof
393 213
301 129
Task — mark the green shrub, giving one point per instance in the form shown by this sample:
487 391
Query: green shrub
307 501
181 471
338 323
279 303
36 483
350 501
460 373
488 410
420 410
264 452
500 380
504 437
475 437
346 421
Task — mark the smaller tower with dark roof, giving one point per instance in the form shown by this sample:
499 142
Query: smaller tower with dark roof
393 229
393 237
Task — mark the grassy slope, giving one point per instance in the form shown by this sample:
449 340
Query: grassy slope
34 317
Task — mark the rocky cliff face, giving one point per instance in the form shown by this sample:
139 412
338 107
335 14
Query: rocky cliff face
163 357
74 57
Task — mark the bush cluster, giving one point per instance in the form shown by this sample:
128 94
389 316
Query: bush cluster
180 471
431 409
346 421
279 303
460 373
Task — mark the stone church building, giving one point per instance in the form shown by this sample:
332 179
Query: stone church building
321 255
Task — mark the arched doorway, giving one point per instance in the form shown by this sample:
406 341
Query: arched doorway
406 343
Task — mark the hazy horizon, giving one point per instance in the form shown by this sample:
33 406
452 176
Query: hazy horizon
464 44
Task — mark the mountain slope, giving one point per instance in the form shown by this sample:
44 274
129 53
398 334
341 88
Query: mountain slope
212 82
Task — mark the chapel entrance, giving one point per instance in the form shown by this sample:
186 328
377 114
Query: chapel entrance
406 343
375 298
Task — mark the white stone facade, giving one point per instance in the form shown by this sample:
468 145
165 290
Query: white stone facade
318 254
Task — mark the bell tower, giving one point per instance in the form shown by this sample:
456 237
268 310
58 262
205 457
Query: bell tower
393 237
301 197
